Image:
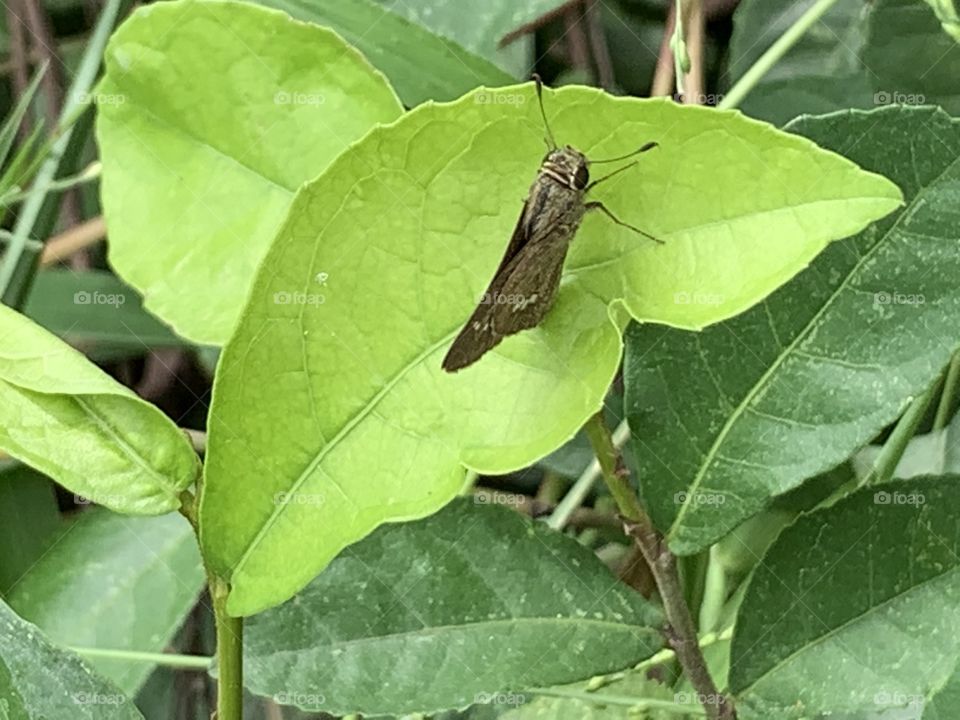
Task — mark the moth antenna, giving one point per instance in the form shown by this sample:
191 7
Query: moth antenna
643 149
550 139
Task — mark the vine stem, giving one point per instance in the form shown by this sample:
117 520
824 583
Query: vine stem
229 655
906 427
947 394
171 660
773 54
681 631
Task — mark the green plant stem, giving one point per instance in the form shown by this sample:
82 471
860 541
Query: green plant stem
180 662
948 393
620 700
229 654
774 53
902 433
681 631
13 261
584 484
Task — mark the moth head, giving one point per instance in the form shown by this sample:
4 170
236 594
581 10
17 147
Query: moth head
568 166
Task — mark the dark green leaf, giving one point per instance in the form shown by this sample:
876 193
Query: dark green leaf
442 612
95 307
854 609
420 64
39 681
131 580
29 518
726 419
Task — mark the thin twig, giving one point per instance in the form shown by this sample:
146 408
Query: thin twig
80 237
681 632
663 74
531 27
598 45
695 23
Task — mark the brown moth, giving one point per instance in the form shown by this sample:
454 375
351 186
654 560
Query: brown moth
526 282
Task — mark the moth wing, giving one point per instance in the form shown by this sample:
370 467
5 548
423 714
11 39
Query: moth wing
518 299
478 334
531 284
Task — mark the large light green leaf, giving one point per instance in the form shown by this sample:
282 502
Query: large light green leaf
727 419
446 612
211 115
421 65
39 681
868 589
331 389
858 55
62 415
131 580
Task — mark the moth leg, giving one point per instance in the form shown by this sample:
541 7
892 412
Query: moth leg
597 205
610 175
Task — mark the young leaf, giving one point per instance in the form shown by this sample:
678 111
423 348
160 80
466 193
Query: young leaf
421 65
445 612
211 115
871 586
39 681
726 419
337 355
62 415
132 580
